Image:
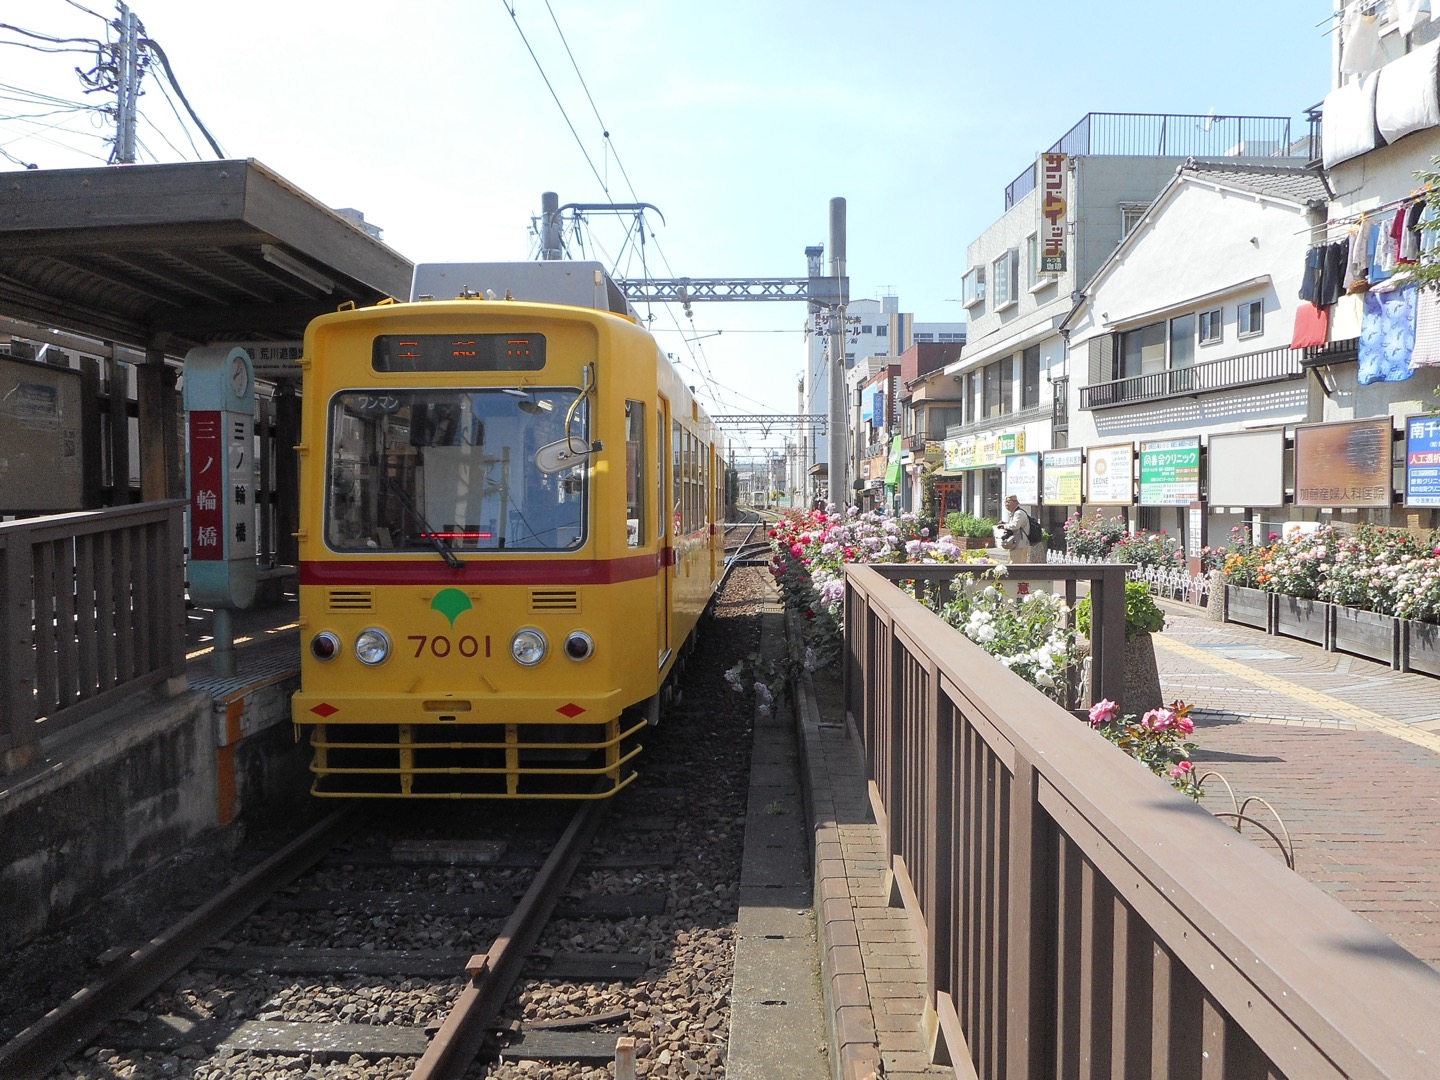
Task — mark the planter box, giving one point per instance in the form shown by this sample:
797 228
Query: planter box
1308 620
1368 634
1419 646
1248 607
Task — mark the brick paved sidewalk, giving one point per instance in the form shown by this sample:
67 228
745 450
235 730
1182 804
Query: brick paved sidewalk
1346 752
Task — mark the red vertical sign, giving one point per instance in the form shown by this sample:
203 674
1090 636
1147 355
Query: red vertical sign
207 482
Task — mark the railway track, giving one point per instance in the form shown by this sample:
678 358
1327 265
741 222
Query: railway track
395 943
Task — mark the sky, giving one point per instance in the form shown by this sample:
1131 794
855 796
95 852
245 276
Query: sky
443 121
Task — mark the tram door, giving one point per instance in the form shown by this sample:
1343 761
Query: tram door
665 524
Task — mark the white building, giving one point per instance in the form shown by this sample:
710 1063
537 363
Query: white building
872 328
1064 216
1185 331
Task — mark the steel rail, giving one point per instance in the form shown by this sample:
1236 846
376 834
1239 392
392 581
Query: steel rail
463 1034
70 1027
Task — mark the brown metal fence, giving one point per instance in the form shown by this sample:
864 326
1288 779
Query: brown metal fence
1079 918
92 608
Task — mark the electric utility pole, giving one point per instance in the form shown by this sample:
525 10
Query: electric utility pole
127 86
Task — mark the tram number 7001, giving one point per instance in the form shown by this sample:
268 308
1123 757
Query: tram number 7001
439 645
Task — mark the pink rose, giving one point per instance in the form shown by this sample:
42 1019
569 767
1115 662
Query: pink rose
1182 771
1102 712
1157 720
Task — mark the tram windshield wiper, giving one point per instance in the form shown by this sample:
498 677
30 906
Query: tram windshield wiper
429 532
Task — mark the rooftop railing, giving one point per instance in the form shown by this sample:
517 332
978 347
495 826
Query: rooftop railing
1170 135
1249 369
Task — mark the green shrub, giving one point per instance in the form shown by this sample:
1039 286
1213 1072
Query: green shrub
959 523
1142 614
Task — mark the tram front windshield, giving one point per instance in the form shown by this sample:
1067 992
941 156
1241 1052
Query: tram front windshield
447 471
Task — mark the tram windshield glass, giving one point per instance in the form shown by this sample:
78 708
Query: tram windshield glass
449 471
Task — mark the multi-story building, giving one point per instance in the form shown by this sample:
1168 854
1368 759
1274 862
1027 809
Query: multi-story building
1185 332
872 328
1256 353
1064 216
929 405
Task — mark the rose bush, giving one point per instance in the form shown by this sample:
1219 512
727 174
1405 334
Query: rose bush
1029 634
1386 570
1159 740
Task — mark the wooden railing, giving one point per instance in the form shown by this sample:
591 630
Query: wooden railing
1077 916
92 607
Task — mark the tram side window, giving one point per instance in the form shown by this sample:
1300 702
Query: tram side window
634 472
676 435
659 470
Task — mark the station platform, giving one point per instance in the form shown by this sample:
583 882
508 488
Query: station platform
1346 752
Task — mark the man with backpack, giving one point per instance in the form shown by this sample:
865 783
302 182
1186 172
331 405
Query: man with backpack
1019 532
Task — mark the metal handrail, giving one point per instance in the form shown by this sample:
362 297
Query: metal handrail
1231 372
1179 135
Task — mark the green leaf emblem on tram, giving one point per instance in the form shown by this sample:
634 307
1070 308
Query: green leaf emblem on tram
451 603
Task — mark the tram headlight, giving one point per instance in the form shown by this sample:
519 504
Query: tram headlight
372 646
325 646
529 647
579 645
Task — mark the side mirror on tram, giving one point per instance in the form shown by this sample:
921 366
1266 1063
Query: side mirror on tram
562 454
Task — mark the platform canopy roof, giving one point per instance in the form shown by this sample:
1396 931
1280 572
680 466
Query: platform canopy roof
168 257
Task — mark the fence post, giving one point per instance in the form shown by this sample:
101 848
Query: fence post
18 745
1027 923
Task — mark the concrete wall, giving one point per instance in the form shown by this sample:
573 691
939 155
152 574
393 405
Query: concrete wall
121 793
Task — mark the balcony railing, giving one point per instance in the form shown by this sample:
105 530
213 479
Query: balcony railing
1268 365
1167 135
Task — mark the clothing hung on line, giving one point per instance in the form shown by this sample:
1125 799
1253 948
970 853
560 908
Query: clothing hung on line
1387 336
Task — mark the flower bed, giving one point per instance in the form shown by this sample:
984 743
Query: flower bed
1032 634
1348 592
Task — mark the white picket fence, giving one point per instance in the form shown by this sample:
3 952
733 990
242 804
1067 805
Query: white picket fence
1172 583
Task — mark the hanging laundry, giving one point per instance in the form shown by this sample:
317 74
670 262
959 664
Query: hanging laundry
1382 252
1427 329
1429 238
1346 317
1310 275
1410 14
1410 237
1387 336
1332 271
1357 269
1360 49
1312 327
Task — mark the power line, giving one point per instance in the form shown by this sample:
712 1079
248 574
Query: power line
546 79
154 46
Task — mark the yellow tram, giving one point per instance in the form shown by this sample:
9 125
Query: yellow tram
508 533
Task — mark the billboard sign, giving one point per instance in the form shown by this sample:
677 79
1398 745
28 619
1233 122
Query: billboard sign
1062 478
1422 461
1022 477
1345 464
1170 472
1109 475
1050 172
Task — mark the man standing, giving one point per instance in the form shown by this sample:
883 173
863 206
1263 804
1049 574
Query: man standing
1014 531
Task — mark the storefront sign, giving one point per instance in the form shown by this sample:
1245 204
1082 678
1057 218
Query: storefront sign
1345 465
1022 477
1050 173
1422 461
1109 475
1062 476
1170 472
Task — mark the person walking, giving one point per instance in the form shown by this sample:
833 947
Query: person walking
1015 531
